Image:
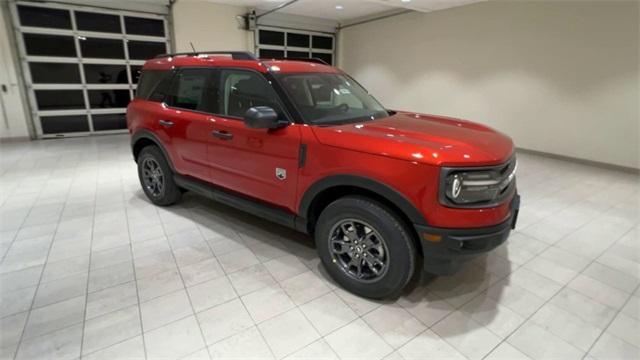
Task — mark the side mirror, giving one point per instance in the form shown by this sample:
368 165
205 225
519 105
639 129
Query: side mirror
262 117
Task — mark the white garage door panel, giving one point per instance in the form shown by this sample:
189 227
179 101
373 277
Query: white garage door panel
81 64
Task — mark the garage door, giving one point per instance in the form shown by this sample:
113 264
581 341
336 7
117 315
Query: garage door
81 64
279 43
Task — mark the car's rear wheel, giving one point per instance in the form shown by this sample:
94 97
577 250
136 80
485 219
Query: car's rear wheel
365 247
156 177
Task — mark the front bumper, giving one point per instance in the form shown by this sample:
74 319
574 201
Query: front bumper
445 250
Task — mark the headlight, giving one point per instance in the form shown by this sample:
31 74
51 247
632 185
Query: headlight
477 187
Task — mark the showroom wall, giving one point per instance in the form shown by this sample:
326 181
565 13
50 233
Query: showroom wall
558 76
209 26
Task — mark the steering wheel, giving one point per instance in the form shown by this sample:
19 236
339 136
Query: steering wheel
343 107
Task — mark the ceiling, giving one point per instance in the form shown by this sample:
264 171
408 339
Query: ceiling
345 10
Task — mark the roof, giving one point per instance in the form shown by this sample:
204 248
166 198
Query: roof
168 61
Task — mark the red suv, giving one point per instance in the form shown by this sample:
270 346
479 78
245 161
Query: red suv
303 144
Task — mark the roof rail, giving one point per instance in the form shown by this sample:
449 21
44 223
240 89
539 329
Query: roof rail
312 60
235 55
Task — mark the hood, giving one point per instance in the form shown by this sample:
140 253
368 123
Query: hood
429 139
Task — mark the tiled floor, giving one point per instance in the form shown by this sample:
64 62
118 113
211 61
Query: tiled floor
90 269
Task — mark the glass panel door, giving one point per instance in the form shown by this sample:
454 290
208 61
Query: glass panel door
82 64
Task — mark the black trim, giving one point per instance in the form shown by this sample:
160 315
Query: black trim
284 98
311 60
456 246
235 55
237 201
148 135
365 183
302 155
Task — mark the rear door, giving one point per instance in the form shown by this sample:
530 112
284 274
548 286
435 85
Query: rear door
260 163
187 121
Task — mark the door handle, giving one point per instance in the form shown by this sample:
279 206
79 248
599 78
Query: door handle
221 134
166 123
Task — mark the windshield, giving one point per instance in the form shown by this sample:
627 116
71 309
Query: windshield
330 99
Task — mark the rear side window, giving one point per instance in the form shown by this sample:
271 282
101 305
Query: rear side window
153 82
195 89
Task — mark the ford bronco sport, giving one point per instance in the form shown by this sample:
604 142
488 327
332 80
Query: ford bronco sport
303 144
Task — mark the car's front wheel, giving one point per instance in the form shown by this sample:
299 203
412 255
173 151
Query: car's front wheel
365 247
156 177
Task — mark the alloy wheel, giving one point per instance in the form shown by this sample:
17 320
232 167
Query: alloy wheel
359 250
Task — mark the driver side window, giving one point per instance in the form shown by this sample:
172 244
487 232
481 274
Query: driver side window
242 90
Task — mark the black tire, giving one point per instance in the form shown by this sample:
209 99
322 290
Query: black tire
400 265
169 193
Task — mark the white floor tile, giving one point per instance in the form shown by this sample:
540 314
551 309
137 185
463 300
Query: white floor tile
305 287
54 317
112 328
554 347
224 320
328 313
626 328
466 335
165 309
288 332
132 349
267 303
429 343
394 324
245 345
61 344
211 293
357 340
175 340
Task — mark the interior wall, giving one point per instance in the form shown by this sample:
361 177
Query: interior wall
557 76
209 26
13 112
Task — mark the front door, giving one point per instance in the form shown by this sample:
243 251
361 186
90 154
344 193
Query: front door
260 163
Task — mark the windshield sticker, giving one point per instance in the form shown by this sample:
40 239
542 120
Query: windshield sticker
345 91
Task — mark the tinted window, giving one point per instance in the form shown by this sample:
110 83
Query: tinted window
149 81
195 89
102 48
43 17
49 45
298 40
268 37
54 73
326 99
64 124
144 26
109 122
98 22
322 42
144 50
59 99
108 98
105 74
242 90
271 54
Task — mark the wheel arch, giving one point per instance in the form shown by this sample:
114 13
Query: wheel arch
329 189
144 138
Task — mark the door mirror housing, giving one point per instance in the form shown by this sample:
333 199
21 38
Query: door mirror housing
263 117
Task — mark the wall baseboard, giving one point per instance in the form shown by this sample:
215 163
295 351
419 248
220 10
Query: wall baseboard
599 164
16 139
